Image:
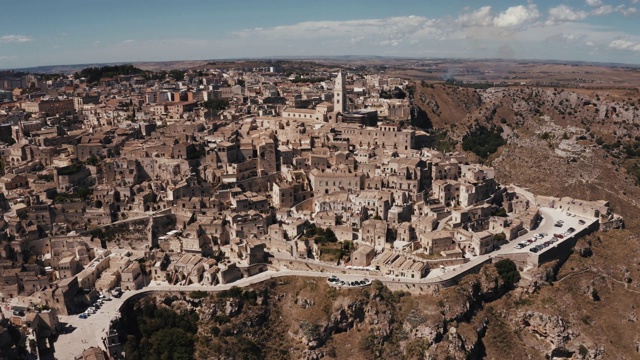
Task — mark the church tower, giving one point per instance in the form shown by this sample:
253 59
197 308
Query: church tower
339 94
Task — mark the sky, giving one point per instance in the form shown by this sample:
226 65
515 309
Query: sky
44 32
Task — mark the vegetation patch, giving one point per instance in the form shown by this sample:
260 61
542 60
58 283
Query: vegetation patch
154 332
94 74
483 141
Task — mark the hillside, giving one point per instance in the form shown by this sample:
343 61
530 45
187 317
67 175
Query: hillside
562 142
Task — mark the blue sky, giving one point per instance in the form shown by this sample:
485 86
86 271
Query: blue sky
44 32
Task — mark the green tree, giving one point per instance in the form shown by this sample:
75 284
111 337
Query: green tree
177 74
508 272
215 105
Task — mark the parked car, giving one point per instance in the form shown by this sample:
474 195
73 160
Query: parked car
534 250
117 292
571 230
18 312
581 222
83 316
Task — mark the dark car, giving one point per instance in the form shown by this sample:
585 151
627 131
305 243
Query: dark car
534 249
18 312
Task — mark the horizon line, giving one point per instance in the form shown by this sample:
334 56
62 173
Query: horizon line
328 57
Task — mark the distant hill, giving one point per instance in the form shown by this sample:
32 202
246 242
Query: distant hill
151 66
186 64
333 59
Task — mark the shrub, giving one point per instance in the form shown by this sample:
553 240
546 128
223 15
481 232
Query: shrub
508 272
501 212
583 351
198 294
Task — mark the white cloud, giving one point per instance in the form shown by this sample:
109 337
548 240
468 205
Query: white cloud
568 39
480 17
513 17
386 31
594 3
563 13
603 10
15 38
129 41
608 9
625 45
628 11
517 16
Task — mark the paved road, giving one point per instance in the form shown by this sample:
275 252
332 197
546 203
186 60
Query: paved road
85 333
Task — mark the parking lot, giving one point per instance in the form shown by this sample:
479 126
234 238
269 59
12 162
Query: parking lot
546 226
79 334
556 226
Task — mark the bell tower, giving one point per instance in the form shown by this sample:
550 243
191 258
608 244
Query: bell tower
339 94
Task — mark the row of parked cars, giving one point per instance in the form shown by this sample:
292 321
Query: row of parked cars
95 307
543 245
553 240
336 281
528 242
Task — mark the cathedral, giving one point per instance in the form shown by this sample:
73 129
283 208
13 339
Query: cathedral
341 113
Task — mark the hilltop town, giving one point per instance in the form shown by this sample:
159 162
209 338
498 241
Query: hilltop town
209 177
